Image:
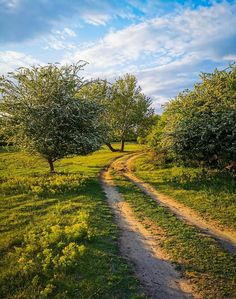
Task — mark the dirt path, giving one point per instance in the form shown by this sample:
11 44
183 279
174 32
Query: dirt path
140 246
227 238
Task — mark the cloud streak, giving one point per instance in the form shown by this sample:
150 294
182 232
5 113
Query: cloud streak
167 52
22 20
11 60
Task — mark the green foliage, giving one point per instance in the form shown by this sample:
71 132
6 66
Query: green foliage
99 91
147 128
201 124
50 251
155 136
2 137
207 127
126 110
130 108
41 114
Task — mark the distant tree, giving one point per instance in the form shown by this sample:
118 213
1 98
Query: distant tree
147 128
41 114
100 91
129 108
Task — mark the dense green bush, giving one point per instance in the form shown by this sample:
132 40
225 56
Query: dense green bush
200 125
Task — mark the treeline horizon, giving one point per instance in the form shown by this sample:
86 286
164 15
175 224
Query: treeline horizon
52 111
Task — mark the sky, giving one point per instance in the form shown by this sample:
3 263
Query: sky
165 44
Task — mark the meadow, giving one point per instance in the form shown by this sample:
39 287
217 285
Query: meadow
58 237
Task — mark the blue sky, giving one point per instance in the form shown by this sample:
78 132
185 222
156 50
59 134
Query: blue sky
166 44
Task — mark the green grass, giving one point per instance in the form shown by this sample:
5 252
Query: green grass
209 192
198 257
58 237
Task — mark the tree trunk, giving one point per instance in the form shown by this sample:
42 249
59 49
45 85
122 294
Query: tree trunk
111 147
122 145
51 165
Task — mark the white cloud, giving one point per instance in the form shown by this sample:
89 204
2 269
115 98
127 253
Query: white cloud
230 57
60 39
165 52
95 17
69 32
177 45
10 60
172 35
53 42
101 12
10 4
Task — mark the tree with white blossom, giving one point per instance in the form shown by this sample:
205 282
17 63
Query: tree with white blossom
42 114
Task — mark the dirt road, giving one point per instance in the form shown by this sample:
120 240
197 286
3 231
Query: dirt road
141 246
225 237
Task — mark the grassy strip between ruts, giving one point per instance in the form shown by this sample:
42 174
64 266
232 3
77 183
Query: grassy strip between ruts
58 237
198 257
209 192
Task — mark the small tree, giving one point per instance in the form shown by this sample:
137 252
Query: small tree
129 108
41 114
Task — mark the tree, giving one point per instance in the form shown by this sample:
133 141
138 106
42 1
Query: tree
146 131
41 114
100 91
129 108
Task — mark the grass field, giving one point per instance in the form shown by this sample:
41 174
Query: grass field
198 257
59 240
58 237
211 193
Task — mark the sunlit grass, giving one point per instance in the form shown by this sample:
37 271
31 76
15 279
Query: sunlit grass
58 237
209 192
198 257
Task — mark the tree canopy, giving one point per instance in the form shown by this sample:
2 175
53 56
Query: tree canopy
42 114
129 109
200 124
100 91
126 110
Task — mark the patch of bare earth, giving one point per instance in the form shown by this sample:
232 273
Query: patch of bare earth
139 243
226 237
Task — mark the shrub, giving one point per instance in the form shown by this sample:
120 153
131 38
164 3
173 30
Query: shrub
42 185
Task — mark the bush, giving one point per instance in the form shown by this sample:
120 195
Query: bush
200 125
42 185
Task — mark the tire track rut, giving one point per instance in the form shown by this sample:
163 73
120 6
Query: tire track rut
141 246
227 238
